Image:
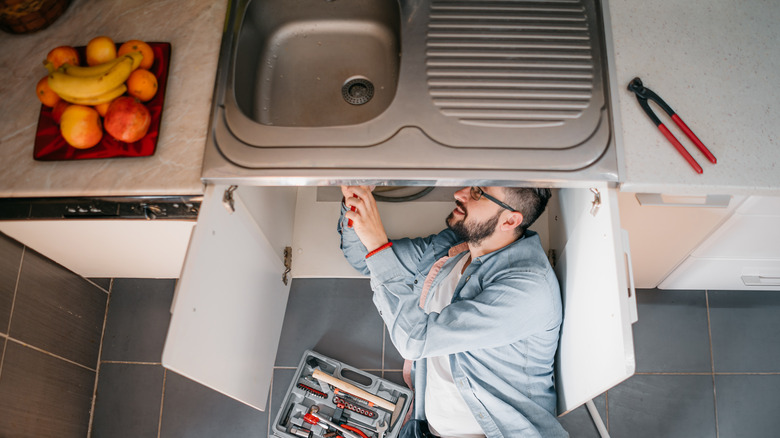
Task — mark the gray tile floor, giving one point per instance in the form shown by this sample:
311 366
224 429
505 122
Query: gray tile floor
688 344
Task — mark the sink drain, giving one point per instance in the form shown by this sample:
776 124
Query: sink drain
357 90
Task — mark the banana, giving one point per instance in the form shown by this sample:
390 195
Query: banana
94 70
75 70
97 100
137 58
82 87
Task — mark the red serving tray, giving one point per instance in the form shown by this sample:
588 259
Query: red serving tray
50 146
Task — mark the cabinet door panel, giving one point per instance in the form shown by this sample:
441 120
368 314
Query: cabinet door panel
596 349
725 274
662 236
230 301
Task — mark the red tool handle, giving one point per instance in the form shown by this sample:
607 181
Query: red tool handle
694 138
354 429
680 148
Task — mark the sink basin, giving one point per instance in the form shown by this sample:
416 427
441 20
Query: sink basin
317 63
413 90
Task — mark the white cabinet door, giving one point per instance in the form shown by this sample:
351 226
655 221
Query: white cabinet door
664 229
108 248
230 300
596 350
742 254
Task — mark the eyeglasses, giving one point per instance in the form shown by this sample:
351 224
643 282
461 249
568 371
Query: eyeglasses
477 193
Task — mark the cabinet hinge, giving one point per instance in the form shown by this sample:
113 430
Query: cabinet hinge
228 201
287 264
594 207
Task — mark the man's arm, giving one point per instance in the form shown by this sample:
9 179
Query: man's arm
366 222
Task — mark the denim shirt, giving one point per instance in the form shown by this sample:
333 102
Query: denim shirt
500 331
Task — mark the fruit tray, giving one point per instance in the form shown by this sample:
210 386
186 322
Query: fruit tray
325 391
50 146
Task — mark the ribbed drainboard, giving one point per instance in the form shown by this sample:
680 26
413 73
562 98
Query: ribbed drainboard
510 64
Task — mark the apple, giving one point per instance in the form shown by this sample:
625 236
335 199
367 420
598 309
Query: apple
58 109
127 119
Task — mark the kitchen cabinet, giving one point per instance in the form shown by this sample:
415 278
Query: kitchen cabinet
231 297
742 254
664 229
113 248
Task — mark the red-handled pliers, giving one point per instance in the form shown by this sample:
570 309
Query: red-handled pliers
642 94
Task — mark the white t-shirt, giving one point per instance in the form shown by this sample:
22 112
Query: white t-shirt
447 414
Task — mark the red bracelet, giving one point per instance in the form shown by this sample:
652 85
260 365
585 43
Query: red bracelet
385 246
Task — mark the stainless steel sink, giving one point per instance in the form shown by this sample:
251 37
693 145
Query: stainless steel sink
416 90
317 63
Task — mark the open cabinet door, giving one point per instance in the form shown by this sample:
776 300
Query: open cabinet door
596 350
230 301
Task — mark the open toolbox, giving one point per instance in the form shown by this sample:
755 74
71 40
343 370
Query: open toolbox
328 398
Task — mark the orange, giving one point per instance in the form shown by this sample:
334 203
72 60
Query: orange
80 126
62 54
102 108
138 46
100 49
46 95
142 84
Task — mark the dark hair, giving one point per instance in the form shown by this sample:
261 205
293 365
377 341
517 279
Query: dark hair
530 202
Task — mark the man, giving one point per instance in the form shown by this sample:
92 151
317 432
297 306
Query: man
477 308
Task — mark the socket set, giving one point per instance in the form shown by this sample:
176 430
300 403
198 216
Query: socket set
330 399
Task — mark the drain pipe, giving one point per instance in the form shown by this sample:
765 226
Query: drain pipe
406 198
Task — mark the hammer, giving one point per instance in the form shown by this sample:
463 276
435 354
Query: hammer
395 409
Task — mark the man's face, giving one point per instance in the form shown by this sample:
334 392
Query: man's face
473 221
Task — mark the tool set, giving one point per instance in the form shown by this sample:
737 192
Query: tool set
328 398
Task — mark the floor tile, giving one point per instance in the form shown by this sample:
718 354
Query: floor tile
580 424
139 312
58 311
192 410
747 405
671 334
105 283
128 401
393 359
668 406
745 330
334 317
396 377
10 260
282 380
43 396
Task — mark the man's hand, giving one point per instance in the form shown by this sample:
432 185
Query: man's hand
365 216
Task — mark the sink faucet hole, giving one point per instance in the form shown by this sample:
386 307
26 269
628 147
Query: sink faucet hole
357 90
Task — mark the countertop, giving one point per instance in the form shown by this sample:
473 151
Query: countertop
716 62
194 29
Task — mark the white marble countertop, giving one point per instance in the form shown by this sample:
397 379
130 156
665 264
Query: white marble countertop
717 64
194 29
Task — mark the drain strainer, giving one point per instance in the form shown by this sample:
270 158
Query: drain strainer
357 90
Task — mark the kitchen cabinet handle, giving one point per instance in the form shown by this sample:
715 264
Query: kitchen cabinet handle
662 200
631 289
761 280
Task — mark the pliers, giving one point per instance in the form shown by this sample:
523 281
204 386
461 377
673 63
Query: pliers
642 94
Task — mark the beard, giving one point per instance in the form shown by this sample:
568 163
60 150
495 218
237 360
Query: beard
472 233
